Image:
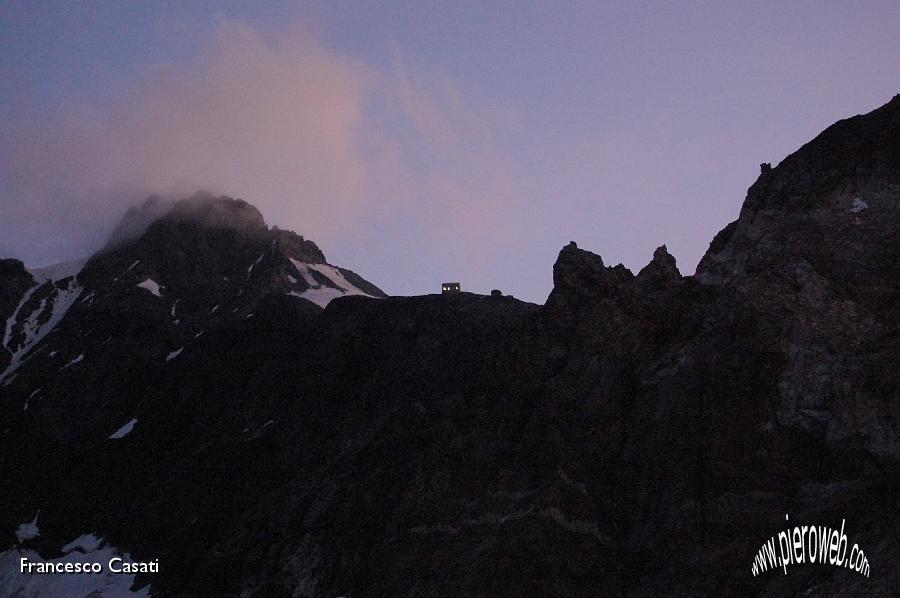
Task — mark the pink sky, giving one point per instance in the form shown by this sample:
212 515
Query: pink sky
423 142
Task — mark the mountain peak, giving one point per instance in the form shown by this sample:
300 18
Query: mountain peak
208 250
137 219
204 208
828 209
580 276
218 212
847 154
662 267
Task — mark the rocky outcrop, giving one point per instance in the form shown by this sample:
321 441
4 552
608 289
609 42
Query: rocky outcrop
661 271
15 281
209 211
817 251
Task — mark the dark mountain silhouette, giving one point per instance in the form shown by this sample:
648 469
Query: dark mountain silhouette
637 435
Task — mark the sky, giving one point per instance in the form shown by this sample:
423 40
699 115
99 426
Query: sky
425 141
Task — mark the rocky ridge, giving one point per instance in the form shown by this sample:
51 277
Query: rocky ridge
637 435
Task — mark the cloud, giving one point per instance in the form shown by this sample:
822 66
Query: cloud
328 145
271 120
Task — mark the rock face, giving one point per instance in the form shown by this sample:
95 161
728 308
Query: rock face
817 250
636 435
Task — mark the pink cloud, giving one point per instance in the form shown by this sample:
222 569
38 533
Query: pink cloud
283 122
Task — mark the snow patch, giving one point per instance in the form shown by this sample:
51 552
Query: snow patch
136 262
78 359
303 271
335 276
173 307
85 543
174 354
60 302
151 286
28 531
214 309
858 205
258 260
28 400
124 430
84 549
11 320
319 294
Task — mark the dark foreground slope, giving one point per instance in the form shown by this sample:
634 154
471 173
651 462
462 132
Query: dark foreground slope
638 435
